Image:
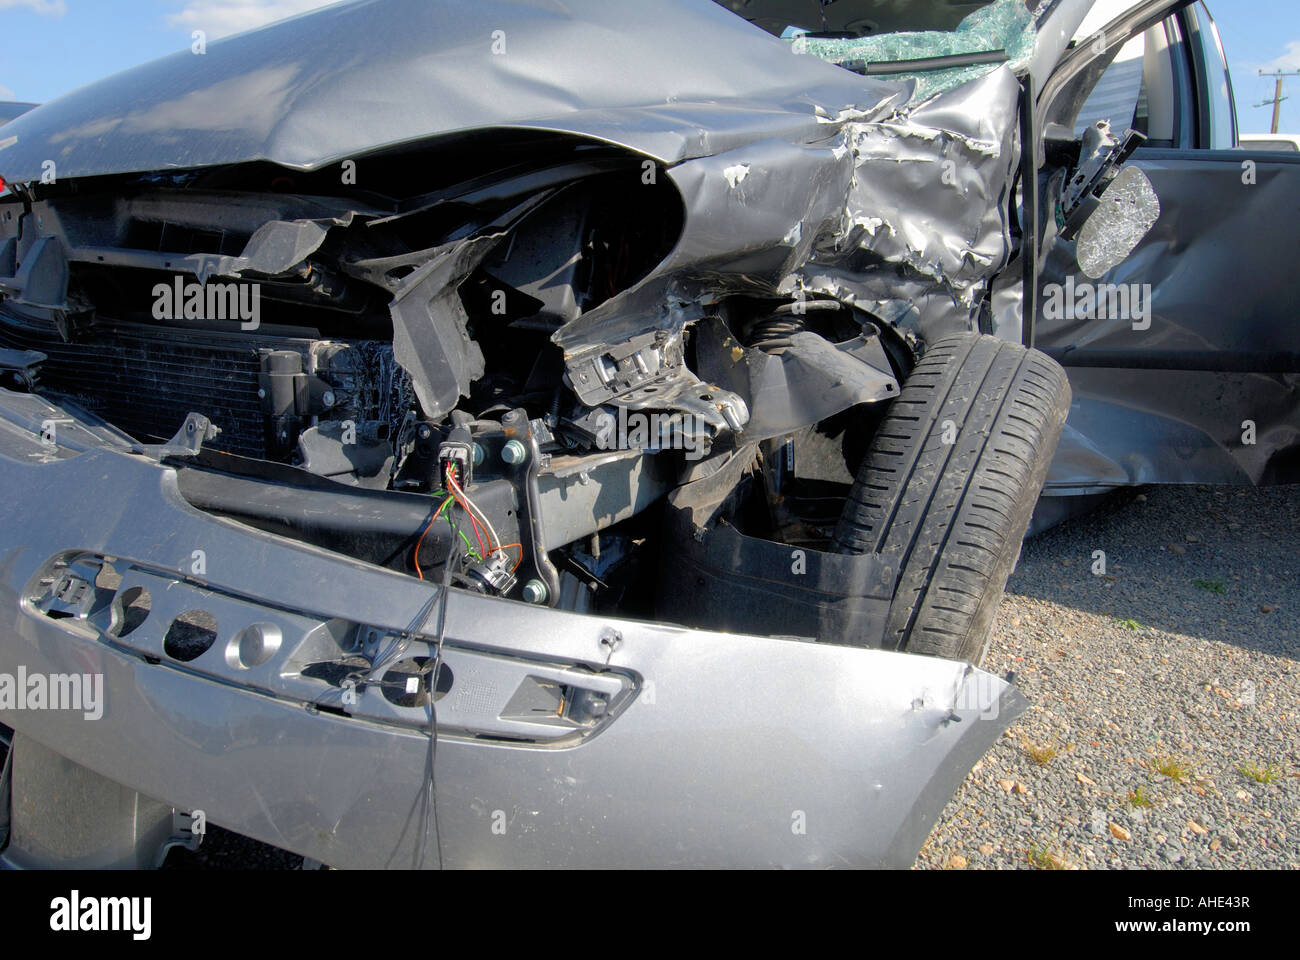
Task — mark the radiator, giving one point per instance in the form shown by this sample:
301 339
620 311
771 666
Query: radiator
145 381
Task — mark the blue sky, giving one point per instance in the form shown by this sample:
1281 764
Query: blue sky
54 46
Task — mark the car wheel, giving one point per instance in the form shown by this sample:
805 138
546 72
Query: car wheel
949 484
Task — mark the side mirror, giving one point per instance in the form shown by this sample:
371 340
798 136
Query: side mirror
1126 211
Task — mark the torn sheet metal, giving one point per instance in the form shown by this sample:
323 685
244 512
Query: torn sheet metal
907 208
797 177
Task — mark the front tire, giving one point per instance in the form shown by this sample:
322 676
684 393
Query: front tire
949 484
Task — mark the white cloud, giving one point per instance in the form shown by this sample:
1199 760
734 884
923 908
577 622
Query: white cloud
219 18
6 93
47 8
1288 61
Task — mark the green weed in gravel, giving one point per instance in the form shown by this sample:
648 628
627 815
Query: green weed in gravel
1140 798
1041 753
1043 859
1269 773
1176 770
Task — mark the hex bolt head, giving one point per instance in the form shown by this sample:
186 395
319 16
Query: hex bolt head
327 399
514 452
478 454
535 591
425 431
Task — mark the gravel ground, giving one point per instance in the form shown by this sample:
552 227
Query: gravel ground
1155 687
1152 666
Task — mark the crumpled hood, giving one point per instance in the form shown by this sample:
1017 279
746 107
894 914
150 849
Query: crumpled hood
672 79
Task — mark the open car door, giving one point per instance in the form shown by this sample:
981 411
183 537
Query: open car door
1184 355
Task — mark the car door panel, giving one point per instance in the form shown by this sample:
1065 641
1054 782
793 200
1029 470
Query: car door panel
1197 380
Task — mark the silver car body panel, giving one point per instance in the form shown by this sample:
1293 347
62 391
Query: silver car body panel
817 755
798 177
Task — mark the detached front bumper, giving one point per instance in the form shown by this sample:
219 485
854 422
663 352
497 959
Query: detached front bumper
689 748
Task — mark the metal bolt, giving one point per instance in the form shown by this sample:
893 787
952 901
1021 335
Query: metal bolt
535 591
611 640
327 399
478 454
514 452
425 431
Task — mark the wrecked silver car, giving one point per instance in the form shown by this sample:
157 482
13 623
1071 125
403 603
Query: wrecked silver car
565 435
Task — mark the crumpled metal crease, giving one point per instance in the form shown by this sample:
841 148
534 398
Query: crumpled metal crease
903 209
795 175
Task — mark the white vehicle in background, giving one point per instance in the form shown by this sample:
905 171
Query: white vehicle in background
1272 142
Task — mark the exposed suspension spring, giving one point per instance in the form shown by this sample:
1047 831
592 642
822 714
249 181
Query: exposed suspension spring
771 333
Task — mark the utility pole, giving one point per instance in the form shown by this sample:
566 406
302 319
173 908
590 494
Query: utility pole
1276 102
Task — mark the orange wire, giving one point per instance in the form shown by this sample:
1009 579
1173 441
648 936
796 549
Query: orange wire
460 499
507 546
427 527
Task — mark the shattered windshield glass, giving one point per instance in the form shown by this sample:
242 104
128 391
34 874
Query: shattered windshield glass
1005 25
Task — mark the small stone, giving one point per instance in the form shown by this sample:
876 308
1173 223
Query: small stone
1177 549
957 861
1085 779
1007 785
1216 843
1119 833
987 848
1195 827
1266 608
1021 788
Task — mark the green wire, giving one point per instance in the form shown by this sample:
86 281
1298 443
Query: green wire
469 548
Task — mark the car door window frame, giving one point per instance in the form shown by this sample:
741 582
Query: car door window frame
1209 64
1185 99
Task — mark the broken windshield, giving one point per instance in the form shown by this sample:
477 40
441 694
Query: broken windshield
937 60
